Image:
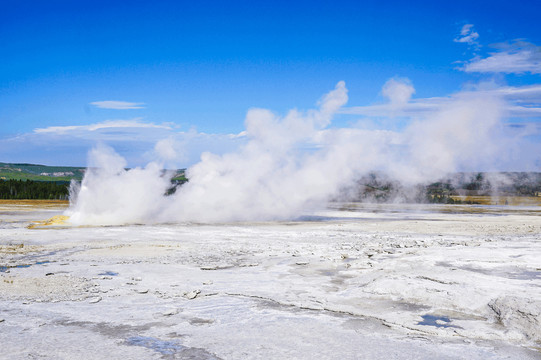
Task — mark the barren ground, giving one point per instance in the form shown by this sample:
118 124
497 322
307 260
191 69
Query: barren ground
351 282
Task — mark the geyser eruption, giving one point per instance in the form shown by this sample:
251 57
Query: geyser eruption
109 194
291 165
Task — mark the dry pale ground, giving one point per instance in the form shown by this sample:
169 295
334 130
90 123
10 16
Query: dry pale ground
350 282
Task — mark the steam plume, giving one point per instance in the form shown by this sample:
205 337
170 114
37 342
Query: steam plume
293 164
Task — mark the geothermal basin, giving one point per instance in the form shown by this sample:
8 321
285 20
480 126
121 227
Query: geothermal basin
353 281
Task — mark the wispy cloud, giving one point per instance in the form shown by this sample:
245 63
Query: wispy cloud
518 57
117 105
109 124
522 93
467 35
133 138
413 108
522 101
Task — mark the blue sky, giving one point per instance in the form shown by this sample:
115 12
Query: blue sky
131 73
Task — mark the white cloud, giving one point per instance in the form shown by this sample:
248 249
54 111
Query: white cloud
413 108
117 105
522 101
134 139
518 57
467 35
522 93
524 111
140 142
238 135
398 91
109 124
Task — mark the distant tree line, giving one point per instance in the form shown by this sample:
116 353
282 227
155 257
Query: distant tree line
379 187
33 190
376 187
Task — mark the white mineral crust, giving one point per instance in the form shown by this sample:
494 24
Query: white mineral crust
369 282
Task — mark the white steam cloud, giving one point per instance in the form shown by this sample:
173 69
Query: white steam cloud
294 164
398 91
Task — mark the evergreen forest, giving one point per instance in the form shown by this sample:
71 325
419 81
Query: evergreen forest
33 190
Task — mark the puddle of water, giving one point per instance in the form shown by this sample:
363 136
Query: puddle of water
161 346
168 348
437 321
6 268
108 273
505 272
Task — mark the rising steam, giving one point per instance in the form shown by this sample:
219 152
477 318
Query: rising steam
293 164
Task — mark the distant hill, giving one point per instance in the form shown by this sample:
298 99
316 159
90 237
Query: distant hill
34 172
32 181
40 172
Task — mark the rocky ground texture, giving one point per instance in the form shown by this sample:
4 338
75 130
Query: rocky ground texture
354 281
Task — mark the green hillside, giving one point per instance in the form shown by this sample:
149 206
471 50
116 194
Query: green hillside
40 172
31 181
34 172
